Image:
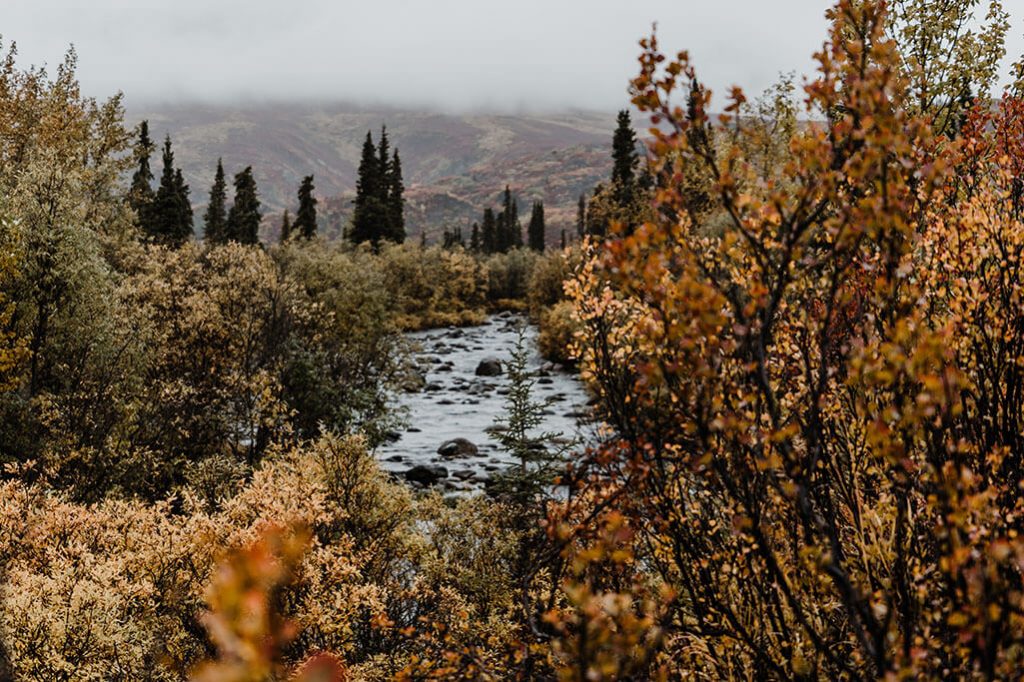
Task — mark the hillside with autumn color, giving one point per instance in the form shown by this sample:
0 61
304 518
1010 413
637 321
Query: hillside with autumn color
455 164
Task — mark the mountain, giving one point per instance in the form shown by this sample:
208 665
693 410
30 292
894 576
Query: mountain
454 164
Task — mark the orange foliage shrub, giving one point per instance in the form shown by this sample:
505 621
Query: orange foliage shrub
814 393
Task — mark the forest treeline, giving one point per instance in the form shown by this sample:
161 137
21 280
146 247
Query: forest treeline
800 319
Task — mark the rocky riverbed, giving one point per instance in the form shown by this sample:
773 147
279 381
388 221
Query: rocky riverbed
460 396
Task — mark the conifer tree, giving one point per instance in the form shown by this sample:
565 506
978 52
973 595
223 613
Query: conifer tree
624 158
452 238
215 217
379 203
286 228
168 222
581 216
369 209
563 240
535 230
384 159
489 232
184 226
141 196
305 219
474 239
510 232
514 227
243 224
396 200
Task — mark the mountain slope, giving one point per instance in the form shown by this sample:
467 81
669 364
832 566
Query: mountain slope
454 164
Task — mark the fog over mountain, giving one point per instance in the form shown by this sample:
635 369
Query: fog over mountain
455 54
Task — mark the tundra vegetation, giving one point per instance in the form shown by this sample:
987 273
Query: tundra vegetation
801 320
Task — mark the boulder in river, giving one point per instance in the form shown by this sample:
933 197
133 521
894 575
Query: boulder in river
413 381
457 447
489 367
426 474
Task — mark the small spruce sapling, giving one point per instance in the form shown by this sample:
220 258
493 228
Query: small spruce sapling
540 455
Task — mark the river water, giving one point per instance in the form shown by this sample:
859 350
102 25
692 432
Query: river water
456 403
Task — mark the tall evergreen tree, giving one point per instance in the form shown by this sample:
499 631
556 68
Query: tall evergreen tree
396 200
535 229
384 160
305 219
563 240
286 228
624 156
501 233
215 218
380 202
168 222
489 232
184 227
141 196
243 224
474 239
581 216
510 232
369 215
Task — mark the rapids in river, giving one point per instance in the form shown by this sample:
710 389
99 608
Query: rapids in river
455 402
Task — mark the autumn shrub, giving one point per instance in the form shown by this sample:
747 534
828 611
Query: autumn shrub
432 286
345 350
117 589
547 280
508 278
813 456
557 332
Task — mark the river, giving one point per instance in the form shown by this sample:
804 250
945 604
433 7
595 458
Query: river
456 403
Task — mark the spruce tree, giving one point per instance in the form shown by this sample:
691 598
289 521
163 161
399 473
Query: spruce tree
368 217
510 232
501 233
383 157
489 232
305 219
243 224
215 218
184 227
380 202
474 239
383 229
535 230
286 228
563 240
141 195
168 222
581 216
624 155
396 200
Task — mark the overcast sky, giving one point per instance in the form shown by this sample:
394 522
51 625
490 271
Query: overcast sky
509 55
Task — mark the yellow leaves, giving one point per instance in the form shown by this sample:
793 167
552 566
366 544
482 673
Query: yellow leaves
958 619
